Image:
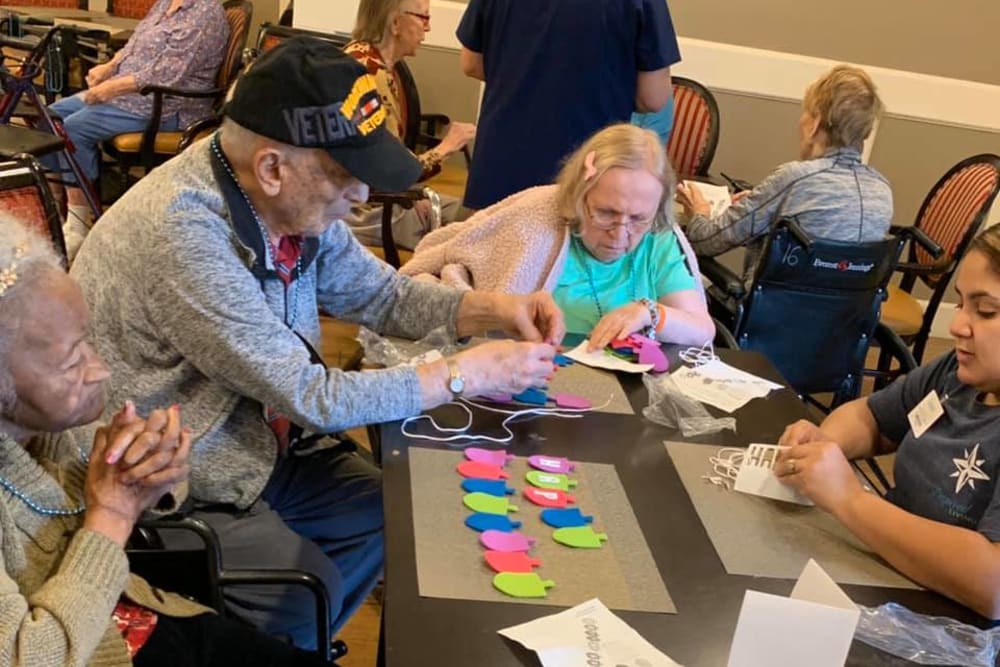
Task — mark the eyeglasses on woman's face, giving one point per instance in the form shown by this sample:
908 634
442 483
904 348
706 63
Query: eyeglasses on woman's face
607 219
424 18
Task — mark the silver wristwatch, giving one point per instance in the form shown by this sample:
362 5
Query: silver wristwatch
456 382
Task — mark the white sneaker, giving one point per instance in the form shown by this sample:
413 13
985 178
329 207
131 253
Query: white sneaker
74 232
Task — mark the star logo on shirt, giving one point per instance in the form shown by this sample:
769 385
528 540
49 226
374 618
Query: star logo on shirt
968 470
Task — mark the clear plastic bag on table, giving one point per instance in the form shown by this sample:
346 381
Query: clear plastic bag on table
388 352
927 640
668 406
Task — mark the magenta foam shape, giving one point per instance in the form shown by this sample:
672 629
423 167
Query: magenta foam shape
496 540
497 457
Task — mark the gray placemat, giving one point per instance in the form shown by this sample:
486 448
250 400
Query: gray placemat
760 537
450 562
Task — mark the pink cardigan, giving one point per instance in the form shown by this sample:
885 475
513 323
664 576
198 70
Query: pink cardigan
516 246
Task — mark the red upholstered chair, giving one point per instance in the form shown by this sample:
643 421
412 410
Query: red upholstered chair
695 133
133 9
950 216
25 195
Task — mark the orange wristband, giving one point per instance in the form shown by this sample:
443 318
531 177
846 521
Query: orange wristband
663 317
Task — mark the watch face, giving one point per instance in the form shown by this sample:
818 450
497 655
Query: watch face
456 385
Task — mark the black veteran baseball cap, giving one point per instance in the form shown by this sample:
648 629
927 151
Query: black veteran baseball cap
306 92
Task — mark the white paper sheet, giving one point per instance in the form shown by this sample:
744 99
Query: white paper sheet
813 627
586 634
719 384
756 476
600 359
718 196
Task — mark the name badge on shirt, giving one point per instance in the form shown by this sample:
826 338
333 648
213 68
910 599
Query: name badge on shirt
925 414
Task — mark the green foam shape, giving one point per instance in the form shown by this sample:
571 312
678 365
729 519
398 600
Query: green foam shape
580 537
522 585
487 504
549 480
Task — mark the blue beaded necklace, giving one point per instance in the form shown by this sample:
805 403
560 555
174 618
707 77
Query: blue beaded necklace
20 495
582 259
294 301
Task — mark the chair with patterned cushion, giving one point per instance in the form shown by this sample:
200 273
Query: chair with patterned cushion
696 129
950 216
25 195
151 147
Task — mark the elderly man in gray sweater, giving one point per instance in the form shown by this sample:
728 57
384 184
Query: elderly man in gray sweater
204 283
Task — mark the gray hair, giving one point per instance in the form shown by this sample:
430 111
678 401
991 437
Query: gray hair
25 258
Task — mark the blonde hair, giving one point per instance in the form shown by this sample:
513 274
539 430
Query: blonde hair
373 19
847 103
625 146
988 243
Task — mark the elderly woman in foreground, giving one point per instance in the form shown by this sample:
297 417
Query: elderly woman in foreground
940 523
67 508
829 191
601 239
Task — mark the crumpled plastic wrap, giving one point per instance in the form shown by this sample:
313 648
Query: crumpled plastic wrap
389 352
927 640
668 406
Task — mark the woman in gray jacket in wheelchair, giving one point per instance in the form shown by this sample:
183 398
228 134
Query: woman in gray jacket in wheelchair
828 191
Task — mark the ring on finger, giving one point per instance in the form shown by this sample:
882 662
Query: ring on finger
792 467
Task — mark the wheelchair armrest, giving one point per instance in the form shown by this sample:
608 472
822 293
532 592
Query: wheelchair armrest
722 277
917 236
307 580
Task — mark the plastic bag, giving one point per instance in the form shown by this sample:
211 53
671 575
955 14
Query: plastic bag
927 640
388 352
669 407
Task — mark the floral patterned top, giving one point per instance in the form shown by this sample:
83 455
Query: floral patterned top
180 50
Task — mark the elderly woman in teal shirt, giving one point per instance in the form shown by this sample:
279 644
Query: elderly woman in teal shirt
602 239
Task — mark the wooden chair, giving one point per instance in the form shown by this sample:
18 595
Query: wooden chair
696 129
25 194
152 147
950 216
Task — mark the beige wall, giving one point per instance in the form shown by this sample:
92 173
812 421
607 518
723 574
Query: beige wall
947 39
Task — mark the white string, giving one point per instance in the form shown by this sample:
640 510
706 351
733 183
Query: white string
699 356
460 431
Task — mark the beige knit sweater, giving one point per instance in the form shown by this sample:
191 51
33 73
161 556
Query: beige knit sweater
59 582
516 246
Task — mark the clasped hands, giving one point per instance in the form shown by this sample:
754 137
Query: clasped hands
134 462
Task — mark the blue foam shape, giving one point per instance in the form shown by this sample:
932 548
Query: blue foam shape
532 396
563 360
481 522
565 518
494 487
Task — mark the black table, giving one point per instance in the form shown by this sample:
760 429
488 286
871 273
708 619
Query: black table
430 631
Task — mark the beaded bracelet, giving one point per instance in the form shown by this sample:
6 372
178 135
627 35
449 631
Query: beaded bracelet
654 318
